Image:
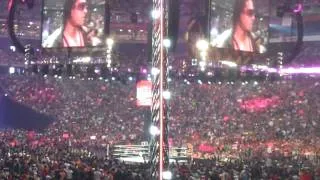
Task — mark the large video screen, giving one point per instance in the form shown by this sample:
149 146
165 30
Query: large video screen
144 93
284 28
73 23
240 25
236 30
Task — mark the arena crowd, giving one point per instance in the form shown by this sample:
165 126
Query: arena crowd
262 130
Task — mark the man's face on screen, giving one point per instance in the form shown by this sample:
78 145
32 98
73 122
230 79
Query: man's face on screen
79 12
247 16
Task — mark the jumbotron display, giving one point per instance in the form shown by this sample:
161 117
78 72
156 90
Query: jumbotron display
233 30
242 27
144 93
73 23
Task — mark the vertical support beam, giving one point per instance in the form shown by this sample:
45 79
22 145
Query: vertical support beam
159 150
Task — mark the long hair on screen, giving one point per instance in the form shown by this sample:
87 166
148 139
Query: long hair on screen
238 8
68 5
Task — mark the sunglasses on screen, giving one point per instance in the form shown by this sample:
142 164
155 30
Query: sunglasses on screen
250 12
81 6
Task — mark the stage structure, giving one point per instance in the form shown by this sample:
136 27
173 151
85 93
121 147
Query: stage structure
140 153
27 50
159 149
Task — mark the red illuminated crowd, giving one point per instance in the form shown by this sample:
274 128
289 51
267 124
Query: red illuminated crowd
272 123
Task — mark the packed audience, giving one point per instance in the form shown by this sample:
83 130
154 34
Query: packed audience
285 110
261 130
11 58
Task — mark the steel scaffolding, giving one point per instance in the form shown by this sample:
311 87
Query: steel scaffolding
159 150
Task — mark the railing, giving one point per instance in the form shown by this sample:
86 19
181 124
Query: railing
140 153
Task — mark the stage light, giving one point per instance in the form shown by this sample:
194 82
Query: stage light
202 65
82 60
214 32
166 95
203 54
167 43
229 63
110 42
155 71
13 48
272 70
130 78
298 8
167 175
194 62
12 70
155 14
154 131
202 45
313 70
144 71
97 70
